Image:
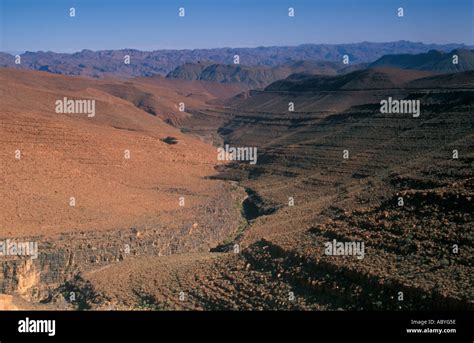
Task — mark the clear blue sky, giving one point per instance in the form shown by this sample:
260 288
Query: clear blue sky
154 24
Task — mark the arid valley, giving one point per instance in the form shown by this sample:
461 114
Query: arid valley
132 209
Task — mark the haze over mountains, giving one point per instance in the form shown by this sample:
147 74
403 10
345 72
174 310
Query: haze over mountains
108 63
434 60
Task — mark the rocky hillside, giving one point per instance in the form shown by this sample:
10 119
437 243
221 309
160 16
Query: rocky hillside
335 168
409 259
373 78
434 61
257 76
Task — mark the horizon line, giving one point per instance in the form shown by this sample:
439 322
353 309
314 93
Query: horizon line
21 52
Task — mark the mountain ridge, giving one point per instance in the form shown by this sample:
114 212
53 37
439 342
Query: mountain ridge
371 78
433 60
107 63
256 76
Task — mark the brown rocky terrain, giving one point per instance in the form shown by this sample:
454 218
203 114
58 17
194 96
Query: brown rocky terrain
282 264
272 257
366 79
159 201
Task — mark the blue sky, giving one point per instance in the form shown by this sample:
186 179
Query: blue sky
154 24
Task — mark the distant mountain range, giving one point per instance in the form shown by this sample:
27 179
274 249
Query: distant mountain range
110 63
